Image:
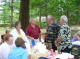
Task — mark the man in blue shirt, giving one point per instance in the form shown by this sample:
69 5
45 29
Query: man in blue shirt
19 52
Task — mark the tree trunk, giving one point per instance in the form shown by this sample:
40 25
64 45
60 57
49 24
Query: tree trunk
68 16
11 7
40 17
24 13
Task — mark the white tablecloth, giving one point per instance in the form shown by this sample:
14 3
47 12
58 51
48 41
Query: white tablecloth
76 43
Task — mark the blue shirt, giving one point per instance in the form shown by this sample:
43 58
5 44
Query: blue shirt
74 39
18 53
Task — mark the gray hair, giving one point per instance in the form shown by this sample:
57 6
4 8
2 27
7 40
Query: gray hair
31 20
50 17
64 18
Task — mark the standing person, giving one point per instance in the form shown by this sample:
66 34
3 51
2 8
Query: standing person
33 31
65 35
52 32
19 51
6 46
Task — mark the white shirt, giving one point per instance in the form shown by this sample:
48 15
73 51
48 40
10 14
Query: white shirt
15 35
76 43
5 50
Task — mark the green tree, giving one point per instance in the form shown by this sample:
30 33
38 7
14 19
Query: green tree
70 8
10 11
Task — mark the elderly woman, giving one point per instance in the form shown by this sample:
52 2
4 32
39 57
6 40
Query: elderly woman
33 31
64 35
18 32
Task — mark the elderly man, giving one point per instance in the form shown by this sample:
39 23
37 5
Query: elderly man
64 35
33 31
52 32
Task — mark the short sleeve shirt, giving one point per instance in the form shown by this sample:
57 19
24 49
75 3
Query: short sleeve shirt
33 32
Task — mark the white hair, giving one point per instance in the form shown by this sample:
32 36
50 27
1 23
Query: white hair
50 17
31 20
64 18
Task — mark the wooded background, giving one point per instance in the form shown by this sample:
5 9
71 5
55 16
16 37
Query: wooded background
13 10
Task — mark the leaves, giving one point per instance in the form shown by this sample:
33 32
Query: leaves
70 8
56 8
6 15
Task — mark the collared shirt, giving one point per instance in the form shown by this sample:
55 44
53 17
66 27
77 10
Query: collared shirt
33 32
5 50
52 31
18 53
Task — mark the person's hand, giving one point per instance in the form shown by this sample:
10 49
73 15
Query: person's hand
58 39
31 38
29 57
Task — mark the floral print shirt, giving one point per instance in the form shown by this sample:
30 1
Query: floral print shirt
65 35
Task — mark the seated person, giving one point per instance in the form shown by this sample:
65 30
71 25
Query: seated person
18 32
2 36
76 39
19 52
6 46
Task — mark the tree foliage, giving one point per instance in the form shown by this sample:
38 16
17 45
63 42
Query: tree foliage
6 12
56 8
70 8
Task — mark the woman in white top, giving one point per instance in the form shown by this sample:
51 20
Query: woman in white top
6 46
17 32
